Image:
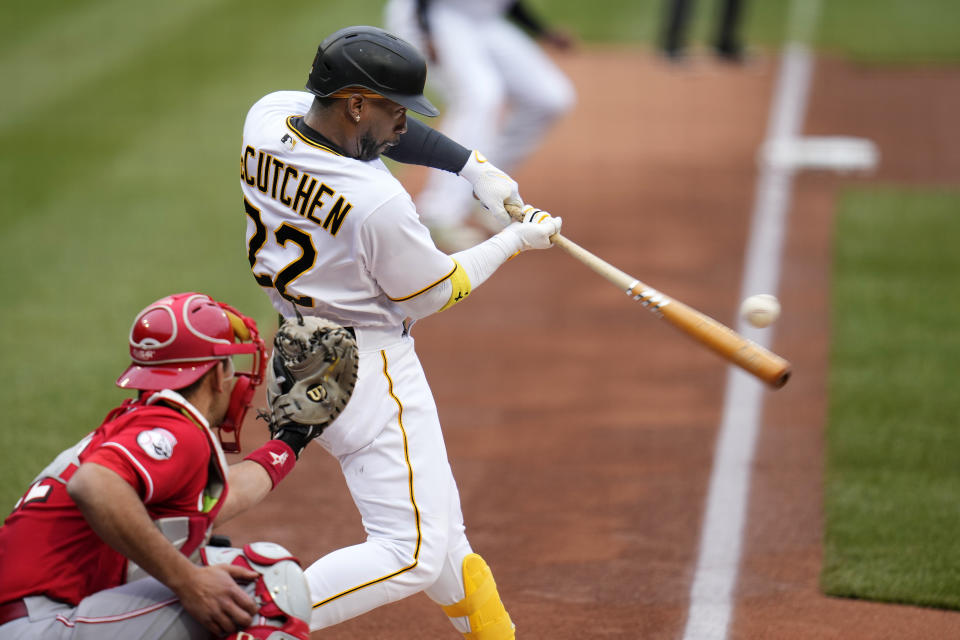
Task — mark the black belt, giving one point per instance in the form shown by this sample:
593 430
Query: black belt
13 610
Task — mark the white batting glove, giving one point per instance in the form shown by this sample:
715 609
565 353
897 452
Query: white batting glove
536 228
491 186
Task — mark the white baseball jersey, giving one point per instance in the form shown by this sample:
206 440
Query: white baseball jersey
341 237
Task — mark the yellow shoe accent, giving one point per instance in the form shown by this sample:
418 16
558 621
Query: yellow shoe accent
489 619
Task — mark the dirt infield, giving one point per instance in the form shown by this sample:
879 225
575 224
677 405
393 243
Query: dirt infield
581 428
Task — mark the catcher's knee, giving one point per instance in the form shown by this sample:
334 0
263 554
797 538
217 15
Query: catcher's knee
281 590
481 605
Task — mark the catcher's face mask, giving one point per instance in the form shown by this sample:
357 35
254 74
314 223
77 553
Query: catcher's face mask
177 339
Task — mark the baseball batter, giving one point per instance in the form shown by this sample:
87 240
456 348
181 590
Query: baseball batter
501 92
108 542
331 232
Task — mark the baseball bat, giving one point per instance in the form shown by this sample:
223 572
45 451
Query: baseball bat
730 345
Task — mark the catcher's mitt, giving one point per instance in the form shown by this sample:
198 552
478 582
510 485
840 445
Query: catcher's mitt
312 374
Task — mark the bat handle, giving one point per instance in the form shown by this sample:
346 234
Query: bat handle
620 278
516 214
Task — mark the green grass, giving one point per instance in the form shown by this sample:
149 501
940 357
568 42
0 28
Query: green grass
892 475
121 127
891 31
874 31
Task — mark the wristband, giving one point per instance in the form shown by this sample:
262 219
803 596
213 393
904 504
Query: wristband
276 457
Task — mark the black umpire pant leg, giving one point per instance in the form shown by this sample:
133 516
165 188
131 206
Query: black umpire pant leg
674 37
727 42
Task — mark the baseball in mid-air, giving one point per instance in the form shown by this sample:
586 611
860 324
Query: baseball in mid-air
760 310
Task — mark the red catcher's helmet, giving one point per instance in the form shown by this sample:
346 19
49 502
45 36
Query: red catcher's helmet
177 339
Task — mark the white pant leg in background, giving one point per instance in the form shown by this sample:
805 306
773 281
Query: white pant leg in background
537 93
472 96
500 95
404 490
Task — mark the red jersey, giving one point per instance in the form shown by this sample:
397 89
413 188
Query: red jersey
163 447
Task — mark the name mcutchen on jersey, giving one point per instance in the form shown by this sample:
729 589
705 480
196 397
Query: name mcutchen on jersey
308 199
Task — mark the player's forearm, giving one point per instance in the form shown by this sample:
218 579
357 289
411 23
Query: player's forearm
476 263
482 260
249 484
114 511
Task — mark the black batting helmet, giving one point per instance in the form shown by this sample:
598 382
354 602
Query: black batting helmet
374 59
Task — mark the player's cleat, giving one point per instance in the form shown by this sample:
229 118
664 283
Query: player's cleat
481 605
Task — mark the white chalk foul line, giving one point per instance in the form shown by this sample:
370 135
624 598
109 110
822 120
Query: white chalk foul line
711 595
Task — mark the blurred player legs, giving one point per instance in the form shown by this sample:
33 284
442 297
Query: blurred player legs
726 41
501 91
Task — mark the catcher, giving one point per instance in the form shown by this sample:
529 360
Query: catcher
110 540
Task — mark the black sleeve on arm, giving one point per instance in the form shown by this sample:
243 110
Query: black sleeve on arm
422 21
522 16
428 147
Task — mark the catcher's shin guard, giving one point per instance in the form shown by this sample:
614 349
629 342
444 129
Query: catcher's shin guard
489 619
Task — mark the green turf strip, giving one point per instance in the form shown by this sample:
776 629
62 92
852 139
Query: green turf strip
893 479
871 31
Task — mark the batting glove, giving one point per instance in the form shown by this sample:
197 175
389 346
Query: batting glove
491 186
536 229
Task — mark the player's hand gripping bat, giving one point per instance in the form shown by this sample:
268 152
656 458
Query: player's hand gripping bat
729 344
